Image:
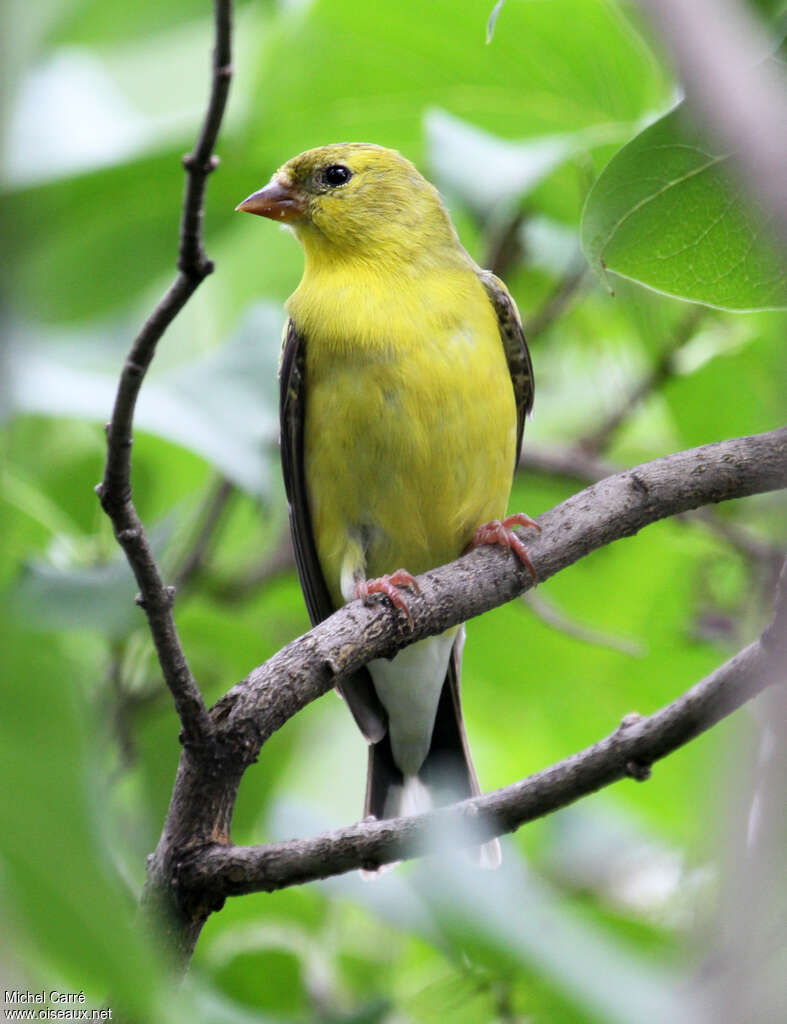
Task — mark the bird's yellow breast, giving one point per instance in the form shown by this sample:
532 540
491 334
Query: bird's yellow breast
410 421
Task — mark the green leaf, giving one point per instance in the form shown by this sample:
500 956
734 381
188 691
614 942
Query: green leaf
58 881
510 917
222 407
666 213
555 67
79 596
711 402
460 996
267 979
91 244
512 911
92 259
93 107
100 598
86 22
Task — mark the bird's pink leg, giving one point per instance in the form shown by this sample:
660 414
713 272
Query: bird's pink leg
390 586
501 532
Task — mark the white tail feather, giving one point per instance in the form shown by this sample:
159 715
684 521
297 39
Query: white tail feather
490 855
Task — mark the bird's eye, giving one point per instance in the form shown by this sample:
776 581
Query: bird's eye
336 174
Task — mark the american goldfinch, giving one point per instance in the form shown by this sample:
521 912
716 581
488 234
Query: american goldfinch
405 381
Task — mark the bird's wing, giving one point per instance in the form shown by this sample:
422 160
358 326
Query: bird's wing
515 346
292 397
357 689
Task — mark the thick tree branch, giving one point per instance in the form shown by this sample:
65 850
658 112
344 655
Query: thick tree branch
629 751
208 778
115 488
617 506
573 463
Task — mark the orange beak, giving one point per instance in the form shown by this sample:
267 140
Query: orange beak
277 201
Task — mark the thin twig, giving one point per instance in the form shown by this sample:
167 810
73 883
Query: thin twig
504 247
556 303
119 706
276 562
565 461
598 440
201 160
557 619
115 488
210 516
739 537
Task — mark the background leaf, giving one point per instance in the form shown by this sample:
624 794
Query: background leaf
68 911
667 213
624 886
222 406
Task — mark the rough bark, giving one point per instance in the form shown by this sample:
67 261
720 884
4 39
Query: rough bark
195 865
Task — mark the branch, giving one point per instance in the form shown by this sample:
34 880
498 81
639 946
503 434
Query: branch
115 488
210 516
598 441
277 560
563 460
555 304
747 543
552 616
628 752
504 248
719 48
201 161
615 507
208 779
574 463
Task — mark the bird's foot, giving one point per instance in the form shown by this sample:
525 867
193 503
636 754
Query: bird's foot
391 587
501 532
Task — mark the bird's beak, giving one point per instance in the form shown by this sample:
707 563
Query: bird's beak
277 200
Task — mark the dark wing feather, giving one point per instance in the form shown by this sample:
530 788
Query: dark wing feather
357 689
449 765
515 346
292 397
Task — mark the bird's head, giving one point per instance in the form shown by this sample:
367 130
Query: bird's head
356 198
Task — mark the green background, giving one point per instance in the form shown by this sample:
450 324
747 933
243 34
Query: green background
602 913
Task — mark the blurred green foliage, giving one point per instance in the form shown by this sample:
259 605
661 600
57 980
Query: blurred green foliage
598 913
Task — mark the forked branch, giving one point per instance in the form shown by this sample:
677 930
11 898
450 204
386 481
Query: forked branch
630 751
155 597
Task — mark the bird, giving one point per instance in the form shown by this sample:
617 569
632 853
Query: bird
405 381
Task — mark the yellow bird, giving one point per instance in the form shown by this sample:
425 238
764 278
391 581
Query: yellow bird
405 382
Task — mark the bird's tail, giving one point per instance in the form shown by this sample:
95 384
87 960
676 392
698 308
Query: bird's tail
447 774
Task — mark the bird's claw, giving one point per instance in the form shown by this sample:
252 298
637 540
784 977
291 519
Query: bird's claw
501 532
390 587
